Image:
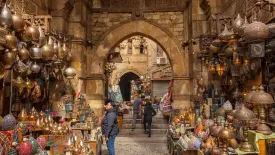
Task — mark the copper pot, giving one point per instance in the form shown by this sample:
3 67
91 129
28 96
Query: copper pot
18 23
47 52
32 33
11 41
23 115
23 54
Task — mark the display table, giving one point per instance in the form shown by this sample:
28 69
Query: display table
258 140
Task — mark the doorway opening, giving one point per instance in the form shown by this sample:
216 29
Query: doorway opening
125 84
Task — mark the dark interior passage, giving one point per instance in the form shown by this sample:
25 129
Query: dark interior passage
125 85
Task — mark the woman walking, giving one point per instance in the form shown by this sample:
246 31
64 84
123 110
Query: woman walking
149 113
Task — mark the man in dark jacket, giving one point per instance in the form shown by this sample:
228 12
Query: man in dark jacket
136 109
109 126
149 113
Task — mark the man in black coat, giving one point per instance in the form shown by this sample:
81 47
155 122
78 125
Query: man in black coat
109 126
149 113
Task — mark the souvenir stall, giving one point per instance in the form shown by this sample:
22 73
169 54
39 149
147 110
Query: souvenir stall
229 114
35 59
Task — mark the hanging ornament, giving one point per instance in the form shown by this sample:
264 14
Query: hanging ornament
42 37
47 51
9 58
212 68
23 53
19 83
35 68
55 48
11 41
29 85
35 53
32 33
237 24
256 31
225 35
6 17
61 52
18 23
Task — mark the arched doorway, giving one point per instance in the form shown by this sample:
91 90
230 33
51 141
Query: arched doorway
125 84
177 56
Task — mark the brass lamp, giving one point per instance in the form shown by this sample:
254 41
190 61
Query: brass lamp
247 99
262 101
245 116
225 134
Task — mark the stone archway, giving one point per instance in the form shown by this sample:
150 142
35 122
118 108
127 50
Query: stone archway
179 59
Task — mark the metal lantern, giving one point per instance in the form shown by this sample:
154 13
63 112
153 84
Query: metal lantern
11 41
70 73
47 52
35 68
42 37
256 31
261 100
237 24
225 35
32 33
23 54
6 17
35 53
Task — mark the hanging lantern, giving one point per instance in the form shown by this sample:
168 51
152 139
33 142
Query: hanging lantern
47 52
70 73
212 68
32 33
19 83
42 37
35 68
29 85
11 41
18 22
225 35
23 54
220 68
61 52
9 58
256 31
6 17
35 53
246 61
237 59
237 24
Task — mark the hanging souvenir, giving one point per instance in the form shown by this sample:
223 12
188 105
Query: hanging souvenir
36 93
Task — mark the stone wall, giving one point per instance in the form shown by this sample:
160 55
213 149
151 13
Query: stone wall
100 23
172 21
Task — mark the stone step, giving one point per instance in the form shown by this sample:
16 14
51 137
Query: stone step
138 121
140 126
141 131
130 116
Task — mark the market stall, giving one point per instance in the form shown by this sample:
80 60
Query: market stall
45 115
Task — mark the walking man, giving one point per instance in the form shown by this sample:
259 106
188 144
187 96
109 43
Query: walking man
149 113
136 109
109 126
